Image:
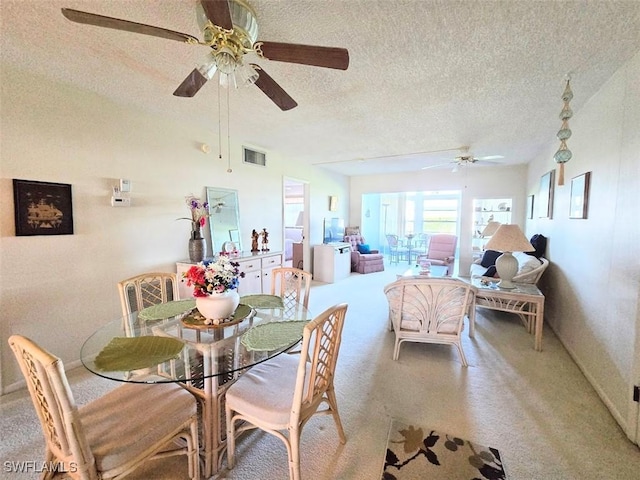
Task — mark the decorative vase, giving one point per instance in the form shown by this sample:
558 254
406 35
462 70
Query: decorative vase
218 307
197 244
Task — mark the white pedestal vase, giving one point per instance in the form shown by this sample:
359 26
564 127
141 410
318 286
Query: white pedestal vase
218 307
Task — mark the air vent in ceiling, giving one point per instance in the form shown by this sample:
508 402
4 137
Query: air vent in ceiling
254 157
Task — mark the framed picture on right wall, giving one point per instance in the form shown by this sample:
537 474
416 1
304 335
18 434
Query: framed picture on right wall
579 203
545 198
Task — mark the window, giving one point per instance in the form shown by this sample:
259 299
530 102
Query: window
440 215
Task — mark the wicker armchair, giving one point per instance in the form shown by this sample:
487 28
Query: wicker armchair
429 310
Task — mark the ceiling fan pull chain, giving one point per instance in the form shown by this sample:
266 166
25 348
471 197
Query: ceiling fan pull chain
219 127
228 136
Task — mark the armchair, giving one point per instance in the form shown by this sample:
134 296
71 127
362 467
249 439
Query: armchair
429 310
364 260
442 250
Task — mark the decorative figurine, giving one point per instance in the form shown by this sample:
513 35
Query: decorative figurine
265 240
254 241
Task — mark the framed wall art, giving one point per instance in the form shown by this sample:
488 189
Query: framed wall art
579 202
333 203
545 199
42 208
530 199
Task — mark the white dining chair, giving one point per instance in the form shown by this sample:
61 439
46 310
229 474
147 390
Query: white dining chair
280 395
146 290
114 434
292 285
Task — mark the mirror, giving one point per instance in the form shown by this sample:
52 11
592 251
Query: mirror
224 219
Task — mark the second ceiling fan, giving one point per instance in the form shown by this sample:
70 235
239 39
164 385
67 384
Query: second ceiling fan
230 29
465 159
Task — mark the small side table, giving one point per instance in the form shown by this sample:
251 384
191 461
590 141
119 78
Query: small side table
526 301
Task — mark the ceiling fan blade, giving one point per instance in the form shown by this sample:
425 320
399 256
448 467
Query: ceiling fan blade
438 165
110 22
190 85
218 12
486 162
329 57
274 91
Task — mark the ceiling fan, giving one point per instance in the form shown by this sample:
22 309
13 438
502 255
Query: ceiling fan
465 159
230 29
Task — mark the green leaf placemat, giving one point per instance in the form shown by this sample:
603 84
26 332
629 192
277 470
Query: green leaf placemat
167 310
272 335
132 353
263 301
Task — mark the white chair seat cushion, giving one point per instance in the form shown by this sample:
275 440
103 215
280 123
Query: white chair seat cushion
114 442
266 391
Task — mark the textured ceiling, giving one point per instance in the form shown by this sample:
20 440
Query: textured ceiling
424 75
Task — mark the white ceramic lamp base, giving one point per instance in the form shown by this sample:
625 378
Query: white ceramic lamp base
507 267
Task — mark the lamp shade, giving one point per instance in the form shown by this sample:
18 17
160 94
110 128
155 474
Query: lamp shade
490 229
509 238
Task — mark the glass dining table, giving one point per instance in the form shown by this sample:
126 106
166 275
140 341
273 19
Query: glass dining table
169 342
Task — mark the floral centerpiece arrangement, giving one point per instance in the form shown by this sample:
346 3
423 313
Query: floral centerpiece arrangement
215 288
213 277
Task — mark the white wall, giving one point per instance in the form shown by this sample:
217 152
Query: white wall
592 285
59 289
472 181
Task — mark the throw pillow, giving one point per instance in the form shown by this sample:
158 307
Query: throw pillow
364 248
491 272
489 258
539 242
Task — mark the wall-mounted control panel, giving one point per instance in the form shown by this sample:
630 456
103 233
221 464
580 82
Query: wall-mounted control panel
120 196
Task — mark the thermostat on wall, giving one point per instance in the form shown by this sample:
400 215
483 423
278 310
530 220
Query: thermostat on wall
120 201
125 185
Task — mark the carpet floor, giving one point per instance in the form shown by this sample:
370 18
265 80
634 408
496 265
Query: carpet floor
536 408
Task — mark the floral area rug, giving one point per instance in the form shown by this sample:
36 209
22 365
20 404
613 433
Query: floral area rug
415 452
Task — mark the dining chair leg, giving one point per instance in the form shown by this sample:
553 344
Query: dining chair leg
294 454
333 405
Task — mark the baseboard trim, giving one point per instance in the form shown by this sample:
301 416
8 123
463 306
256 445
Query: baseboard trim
22 384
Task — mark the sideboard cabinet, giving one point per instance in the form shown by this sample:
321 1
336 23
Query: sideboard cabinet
257 269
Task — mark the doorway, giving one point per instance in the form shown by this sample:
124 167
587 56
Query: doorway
296 223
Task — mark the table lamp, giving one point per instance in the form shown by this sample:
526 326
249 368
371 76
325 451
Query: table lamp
490 229
508 238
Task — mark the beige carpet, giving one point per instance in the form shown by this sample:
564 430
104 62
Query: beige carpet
415 453
536 408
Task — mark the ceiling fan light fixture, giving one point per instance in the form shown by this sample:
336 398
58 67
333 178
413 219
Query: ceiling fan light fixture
226 60
228 80
208 70
247 73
